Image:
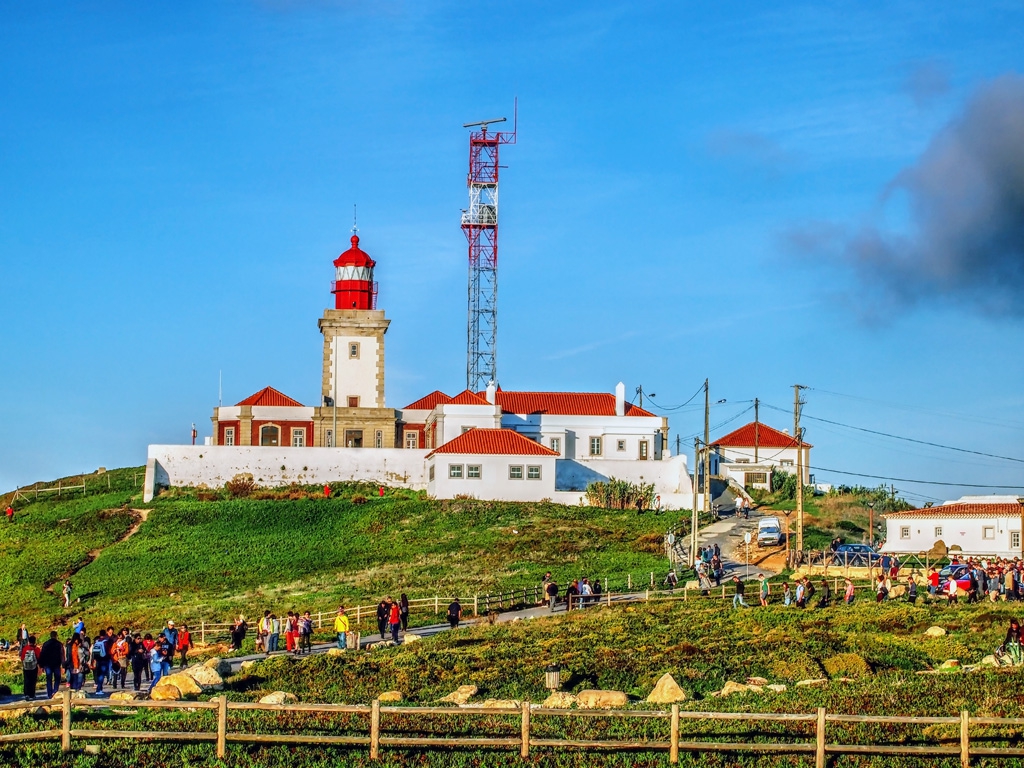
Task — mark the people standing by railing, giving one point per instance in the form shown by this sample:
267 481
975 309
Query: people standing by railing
403 606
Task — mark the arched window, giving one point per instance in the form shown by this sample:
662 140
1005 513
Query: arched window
270 435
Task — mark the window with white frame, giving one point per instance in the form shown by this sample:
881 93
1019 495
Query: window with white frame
755 478
786 463
473 471
353 350
298 437
455 471
229 436
988 532
620 445
643 450
556 444
1014 540
905 532
595 446
515 472
412 439
533 473
938 531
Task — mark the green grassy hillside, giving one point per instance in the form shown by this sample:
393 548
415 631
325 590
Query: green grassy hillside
206 555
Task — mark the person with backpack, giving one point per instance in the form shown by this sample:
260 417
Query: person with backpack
454 613
184 646
77 661
306 633
137 659
100 661
157 660
51 659
29 654
119 652
766 590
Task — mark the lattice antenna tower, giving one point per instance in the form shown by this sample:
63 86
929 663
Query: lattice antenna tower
480 223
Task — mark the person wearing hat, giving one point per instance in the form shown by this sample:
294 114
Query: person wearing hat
170 633
341 626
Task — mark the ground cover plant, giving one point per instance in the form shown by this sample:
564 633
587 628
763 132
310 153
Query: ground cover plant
868 654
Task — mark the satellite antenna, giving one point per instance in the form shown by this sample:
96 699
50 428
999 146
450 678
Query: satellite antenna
484 123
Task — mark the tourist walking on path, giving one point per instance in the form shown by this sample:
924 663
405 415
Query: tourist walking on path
29 654
147 646
787 595
184 646
119 653
10 513
341 625
77 660
291 631
395 621
100 661
263 633
552 592
826 594
66 589
848 596
737 599
170 633
305 633
403 604
275 633
766 589
137 659
22 637
238 632
157 659
383 613
51 659
951 589
454 613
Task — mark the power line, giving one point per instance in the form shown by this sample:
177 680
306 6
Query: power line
909 439
920 409
676 407
908 480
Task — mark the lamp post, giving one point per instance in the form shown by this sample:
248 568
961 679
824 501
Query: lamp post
552 677
871 523
1020 500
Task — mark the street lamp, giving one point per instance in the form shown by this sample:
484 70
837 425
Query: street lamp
871 523
1020 500
552 677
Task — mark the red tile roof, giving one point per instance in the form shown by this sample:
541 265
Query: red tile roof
427 403
270 396
465 397
564 403
757 433
1011 509
494 441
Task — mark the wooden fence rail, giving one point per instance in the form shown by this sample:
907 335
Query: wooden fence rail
376 736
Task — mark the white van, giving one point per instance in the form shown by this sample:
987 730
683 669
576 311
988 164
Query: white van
769 532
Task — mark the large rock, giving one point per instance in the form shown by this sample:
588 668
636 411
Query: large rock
776 688
990 661
560 700
460 695
666 691
732 687
815 682
381 645
183 683
409 637
934 632
593 699
757 681
221 666
390 697
336 651
279 697
247 664
206 678
165 692
898 590
502 704
124 696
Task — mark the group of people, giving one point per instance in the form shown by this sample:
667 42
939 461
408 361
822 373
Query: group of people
995 579
708 567
579 593
296 627
108 656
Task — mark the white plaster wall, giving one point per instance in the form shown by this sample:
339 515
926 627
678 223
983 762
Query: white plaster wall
282 413
671 477
229 412
768 456
494 482
214 465
451 419
356 377
579 429
964 532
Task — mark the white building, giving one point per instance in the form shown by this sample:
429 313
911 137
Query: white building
491 464
749 454
987 526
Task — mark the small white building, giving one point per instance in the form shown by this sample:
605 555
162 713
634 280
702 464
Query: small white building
976 526
491 464
749 454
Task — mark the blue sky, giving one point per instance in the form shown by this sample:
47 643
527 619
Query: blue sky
175 182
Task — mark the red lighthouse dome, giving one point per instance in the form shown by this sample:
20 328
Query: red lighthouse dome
353 279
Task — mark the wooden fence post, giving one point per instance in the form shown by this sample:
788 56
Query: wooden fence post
673 750
647 595
375 730
357 614
819 754
476 611
629 582
524 750
965 739
609 597
437 605
202 632
222 727
65 721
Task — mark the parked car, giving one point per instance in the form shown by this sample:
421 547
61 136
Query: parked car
959 572
859 555
769 532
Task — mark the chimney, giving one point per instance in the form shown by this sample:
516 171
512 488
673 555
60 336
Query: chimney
490 397
620 399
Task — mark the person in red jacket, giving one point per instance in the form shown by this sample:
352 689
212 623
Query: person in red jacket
184 645
395 620
30 653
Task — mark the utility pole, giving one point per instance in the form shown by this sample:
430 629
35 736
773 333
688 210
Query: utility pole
798 436
693 520
757 424
707 450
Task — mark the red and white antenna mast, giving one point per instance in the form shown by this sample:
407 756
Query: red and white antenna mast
480 223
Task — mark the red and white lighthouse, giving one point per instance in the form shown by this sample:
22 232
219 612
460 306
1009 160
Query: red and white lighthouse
353 279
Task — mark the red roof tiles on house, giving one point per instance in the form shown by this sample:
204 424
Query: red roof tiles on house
1010 509
270 396
506 442
428 403
465 397
756 433
564 403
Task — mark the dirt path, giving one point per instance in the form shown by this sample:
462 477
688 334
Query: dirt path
141 515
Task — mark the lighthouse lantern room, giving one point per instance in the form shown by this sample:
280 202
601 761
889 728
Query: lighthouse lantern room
354 287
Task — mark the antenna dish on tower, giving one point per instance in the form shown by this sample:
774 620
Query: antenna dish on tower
484 123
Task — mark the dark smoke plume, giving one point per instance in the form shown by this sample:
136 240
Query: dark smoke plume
963 239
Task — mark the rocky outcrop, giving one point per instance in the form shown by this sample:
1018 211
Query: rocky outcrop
124 696
165 692
502 704
812 682
666 691
409 637
560 700
279 697
460 695
206 678
390 697
594 699
934 632
183 682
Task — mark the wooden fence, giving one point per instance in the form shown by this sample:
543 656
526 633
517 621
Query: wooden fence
813 738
